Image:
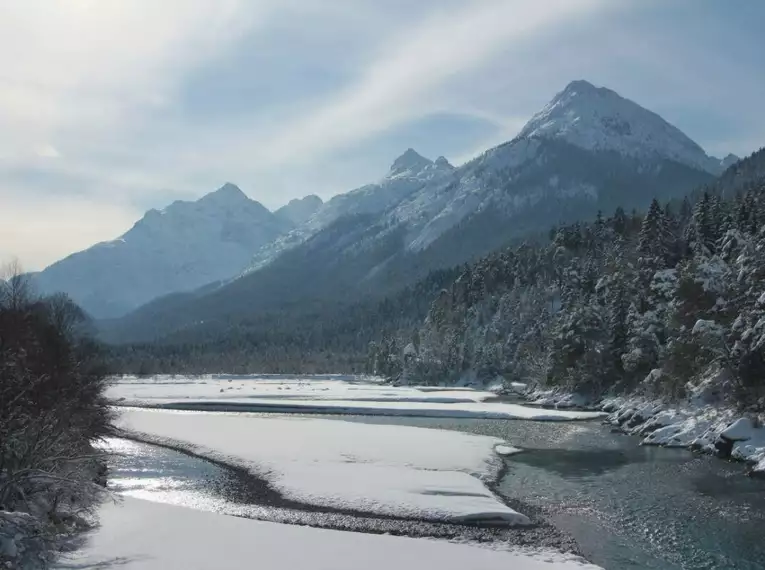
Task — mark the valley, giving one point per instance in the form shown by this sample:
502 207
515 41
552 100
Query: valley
586 491
600 259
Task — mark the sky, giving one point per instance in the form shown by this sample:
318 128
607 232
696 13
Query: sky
111 107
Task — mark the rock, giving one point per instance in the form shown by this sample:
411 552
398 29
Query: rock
740 430
8 548
724 447
635 421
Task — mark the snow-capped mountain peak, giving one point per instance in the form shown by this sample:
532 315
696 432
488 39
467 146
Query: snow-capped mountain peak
599 119
441 162
179 248
228 194
729 161
410 162
300 210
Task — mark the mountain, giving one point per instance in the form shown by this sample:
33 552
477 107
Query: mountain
729 161
408 173
587 150
180 248
599 119
300 210
747 173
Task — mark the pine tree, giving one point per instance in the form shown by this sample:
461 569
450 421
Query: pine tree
655 238
704 228
619 221
686 211
617 342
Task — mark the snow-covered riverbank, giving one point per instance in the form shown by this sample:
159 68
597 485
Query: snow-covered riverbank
693 424
719 431
324 395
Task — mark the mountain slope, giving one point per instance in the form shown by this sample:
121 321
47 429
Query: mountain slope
427 215
408 173
329 267
179 248
588 149
598 119
299 210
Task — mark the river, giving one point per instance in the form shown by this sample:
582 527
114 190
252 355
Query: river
626 506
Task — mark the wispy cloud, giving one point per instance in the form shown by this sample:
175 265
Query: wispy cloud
402 80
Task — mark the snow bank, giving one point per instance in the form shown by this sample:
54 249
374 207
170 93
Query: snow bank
341 395
194 540
397 491
557 399
710 429
391 470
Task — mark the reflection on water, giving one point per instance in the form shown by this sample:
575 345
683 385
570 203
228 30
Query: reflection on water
154 473
575 463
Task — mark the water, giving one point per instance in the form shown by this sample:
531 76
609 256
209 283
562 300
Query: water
628 507
165 476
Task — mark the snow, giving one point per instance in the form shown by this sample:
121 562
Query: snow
506 450
180 248
409 173
495 411
338 395
707 328
703 427
398 491
558 399
595 118
391 470
195 540
299 210
319 387
740 430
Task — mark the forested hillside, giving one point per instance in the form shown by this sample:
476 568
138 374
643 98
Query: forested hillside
323 336
625 300
501 315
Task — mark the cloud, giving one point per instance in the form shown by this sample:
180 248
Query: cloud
398 83
69 69
121 105
41 232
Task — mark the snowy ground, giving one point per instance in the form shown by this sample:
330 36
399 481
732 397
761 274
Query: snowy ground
139 534
390 470
326 394
319 387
